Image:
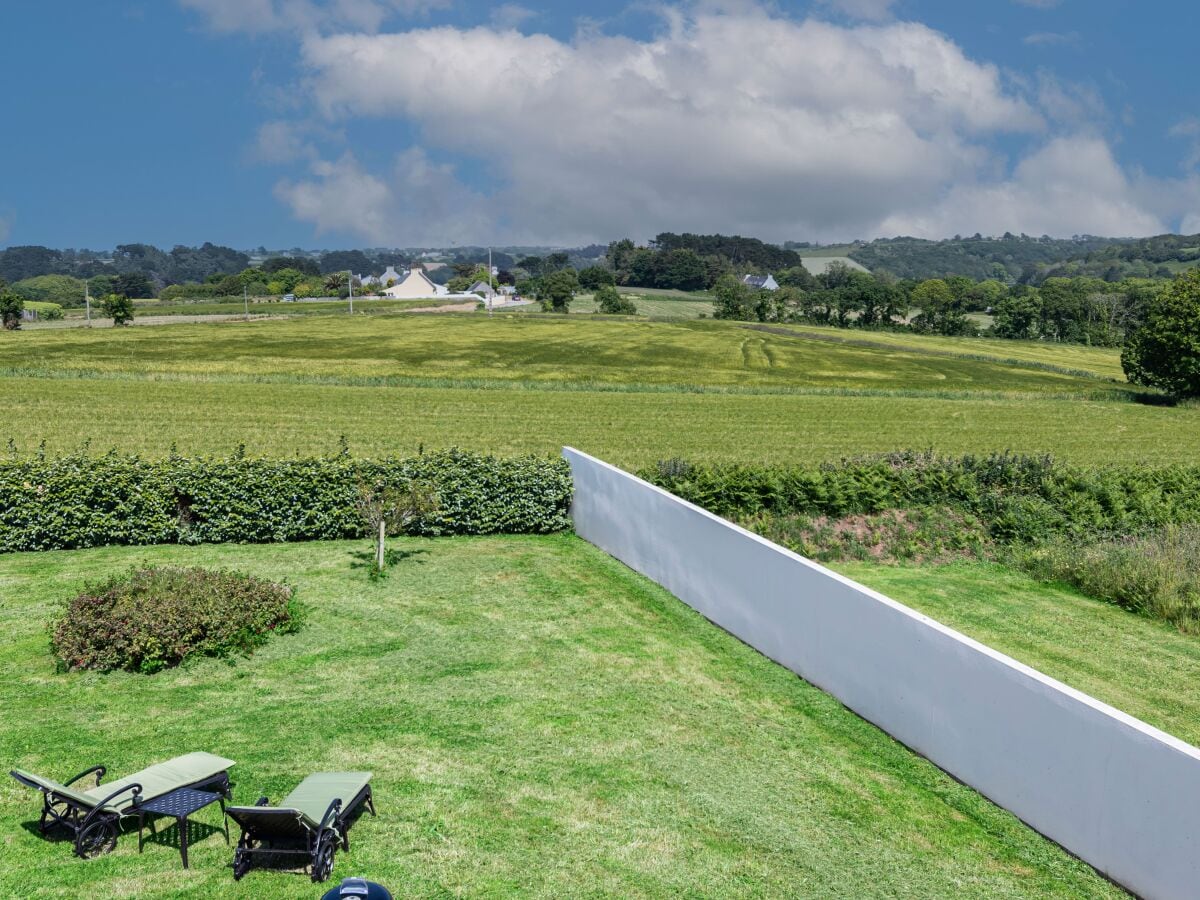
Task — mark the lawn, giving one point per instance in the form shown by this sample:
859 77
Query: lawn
1141 666
540 721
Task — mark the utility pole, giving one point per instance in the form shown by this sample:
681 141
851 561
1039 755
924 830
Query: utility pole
246 300
350 281
87 302
491 287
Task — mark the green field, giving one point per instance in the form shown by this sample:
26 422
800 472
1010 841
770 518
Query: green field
652 305
630 391
540 722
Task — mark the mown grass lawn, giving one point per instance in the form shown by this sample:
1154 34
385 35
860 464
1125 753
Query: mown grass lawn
1141 666
540 722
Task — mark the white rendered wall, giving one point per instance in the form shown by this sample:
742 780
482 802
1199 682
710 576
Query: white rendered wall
1119 794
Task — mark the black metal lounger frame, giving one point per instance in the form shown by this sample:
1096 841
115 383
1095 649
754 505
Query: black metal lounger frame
96 828
320 844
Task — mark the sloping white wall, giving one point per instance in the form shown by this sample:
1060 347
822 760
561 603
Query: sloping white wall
1121 795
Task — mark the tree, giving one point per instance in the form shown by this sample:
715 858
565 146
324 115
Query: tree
119 308
301 264
335 281
612 302
557 289
1017 316
595 277
134 285
734 300
345 261
11 307
1165 351
941 310
389 510
459 284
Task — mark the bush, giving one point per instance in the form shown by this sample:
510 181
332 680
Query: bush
47 312
1156 575
119 308
610 301
88 501
152 619
1021 499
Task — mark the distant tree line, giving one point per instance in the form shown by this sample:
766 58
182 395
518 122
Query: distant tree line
1027 260
1068 310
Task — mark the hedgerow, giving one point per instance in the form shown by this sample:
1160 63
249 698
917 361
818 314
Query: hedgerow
81 500
1020 499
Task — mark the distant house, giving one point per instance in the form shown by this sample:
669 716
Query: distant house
416 285
483 289
760 282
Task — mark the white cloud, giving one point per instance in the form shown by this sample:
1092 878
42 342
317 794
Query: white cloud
418 202
1072 185
727 121
732 119
1188 129
258 16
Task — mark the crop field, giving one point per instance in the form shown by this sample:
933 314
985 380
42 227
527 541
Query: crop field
632 392
540 722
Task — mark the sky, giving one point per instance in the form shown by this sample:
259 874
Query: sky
405 123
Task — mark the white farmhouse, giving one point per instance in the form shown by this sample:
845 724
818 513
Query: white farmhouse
761 282
416 286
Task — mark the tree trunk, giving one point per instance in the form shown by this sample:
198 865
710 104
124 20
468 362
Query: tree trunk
379 545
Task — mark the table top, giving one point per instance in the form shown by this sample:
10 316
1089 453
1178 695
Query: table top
179 803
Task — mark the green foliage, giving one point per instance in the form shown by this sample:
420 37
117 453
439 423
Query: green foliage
611 301
119 308
594 277
557 289
390 509
943 311
88 501
1020 499
152 619
1165 351
11 307
1156 574
61 289
47 312
133 286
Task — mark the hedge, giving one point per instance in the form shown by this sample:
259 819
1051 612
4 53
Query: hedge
81 500
1023 499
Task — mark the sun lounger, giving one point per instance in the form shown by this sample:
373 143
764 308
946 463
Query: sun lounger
310 821
94 814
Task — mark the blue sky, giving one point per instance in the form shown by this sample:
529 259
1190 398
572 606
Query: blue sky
333 123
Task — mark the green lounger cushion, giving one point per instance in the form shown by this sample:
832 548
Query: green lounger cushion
306 805
62 790
155 781
313 795
164 777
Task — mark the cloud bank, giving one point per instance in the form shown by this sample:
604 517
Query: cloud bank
734 118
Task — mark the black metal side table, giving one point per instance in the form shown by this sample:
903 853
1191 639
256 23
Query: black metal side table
179 805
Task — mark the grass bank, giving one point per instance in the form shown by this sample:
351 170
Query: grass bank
540 721
1140 666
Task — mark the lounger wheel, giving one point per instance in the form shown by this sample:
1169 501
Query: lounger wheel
241 863
98 838
322 865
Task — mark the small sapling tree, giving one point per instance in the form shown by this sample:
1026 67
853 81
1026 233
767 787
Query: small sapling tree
389 509
119 308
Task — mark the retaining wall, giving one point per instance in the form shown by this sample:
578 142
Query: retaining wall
1116 792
